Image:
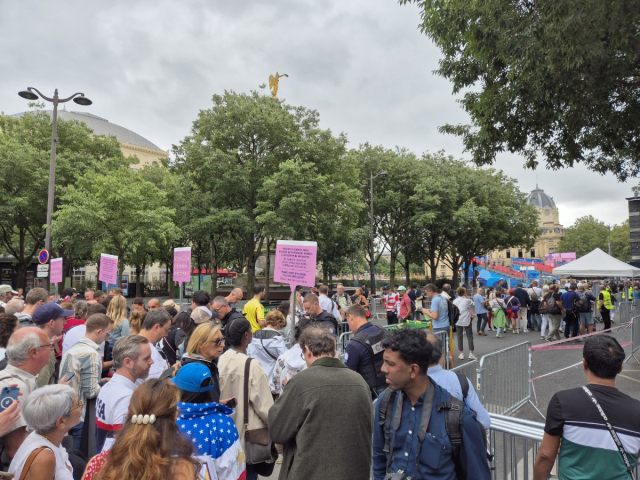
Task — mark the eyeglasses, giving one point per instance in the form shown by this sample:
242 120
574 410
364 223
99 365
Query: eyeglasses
79 405
51 346
218 342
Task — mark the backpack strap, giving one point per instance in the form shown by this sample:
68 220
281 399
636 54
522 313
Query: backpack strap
453 423
384 417
464 384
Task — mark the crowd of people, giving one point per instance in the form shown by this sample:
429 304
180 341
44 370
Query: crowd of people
109 390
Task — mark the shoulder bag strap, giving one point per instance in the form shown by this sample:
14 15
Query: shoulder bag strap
266 350
613 433
30 459
247 366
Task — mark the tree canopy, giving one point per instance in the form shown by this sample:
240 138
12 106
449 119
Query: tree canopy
557 79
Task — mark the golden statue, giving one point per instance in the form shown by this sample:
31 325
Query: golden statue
273 83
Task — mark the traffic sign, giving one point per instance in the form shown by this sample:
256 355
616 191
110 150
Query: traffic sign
43 256
42 274
43 268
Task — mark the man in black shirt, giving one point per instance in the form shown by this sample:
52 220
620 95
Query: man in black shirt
575 421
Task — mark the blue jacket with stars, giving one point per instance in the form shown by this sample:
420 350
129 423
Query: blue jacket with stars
212 431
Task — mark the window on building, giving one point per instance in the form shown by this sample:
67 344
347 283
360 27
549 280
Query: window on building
443 267
520 254
551 250
551 240
155 164
556 230
533 253
78 276
508 253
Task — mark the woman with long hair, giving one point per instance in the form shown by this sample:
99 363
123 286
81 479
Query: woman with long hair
205 346
360 299
149 446
135 321
117 311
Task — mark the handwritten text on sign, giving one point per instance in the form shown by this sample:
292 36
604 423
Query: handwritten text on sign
182 264
296 262
56 270
108 269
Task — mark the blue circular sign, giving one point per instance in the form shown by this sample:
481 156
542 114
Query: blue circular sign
43 256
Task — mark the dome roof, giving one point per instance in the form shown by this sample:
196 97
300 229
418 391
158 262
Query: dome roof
540 199
101 126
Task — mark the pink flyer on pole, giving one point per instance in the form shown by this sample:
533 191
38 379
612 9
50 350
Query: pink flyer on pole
55 275
182 264
296 263
108 269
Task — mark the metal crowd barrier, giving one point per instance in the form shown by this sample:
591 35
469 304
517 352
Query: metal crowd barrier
342 328
635 338
469 370
343 340
503 379
624 311
514 443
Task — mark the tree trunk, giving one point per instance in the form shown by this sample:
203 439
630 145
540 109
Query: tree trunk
214 267
267 267
392 268
22 276
138 289
120 268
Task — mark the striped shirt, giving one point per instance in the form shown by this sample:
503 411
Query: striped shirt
391 302
84 361
587 450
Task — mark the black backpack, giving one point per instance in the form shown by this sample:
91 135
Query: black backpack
454 313
585 303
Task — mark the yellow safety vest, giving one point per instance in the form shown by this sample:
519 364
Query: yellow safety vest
630 296
606 296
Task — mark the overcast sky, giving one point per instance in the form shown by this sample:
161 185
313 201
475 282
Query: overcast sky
150 66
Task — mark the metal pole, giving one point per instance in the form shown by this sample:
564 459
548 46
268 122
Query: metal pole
52 181
372 253
609 239
180 288
292 312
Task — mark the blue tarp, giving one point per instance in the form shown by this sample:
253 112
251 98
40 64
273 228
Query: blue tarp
490 278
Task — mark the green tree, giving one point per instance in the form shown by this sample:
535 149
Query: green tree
621 241
25 146
236 147
554 78
119 213
586 234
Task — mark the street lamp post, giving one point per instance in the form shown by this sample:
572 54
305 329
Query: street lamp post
372 263
78 98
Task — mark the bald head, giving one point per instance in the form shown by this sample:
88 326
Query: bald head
436 352
235 296
479 291
21 333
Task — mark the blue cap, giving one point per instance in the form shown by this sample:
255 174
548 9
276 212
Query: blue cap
190 377
50 311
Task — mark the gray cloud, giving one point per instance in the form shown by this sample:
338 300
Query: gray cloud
150 66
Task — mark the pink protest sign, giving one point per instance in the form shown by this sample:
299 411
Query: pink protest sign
182 264
108 269
55 274
296 263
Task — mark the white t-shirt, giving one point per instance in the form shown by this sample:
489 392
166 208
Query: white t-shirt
329 306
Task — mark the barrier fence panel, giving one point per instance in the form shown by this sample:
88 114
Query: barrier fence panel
342 328
514 444
635 338
343 340
503 379
469 370
623 314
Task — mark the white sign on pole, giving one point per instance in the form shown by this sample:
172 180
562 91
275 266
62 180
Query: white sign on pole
43 268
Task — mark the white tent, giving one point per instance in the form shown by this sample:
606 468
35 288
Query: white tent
596 264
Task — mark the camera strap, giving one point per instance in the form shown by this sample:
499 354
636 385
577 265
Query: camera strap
427 408
613 433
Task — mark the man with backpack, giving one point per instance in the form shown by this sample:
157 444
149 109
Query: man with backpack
552 306
570 303
586 310
535 295
420 431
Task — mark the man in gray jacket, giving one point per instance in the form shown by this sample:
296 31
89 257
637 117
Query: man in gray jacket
326 404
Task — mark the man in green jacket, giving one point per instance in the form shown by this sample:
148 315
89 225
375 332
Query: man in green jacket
324 416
